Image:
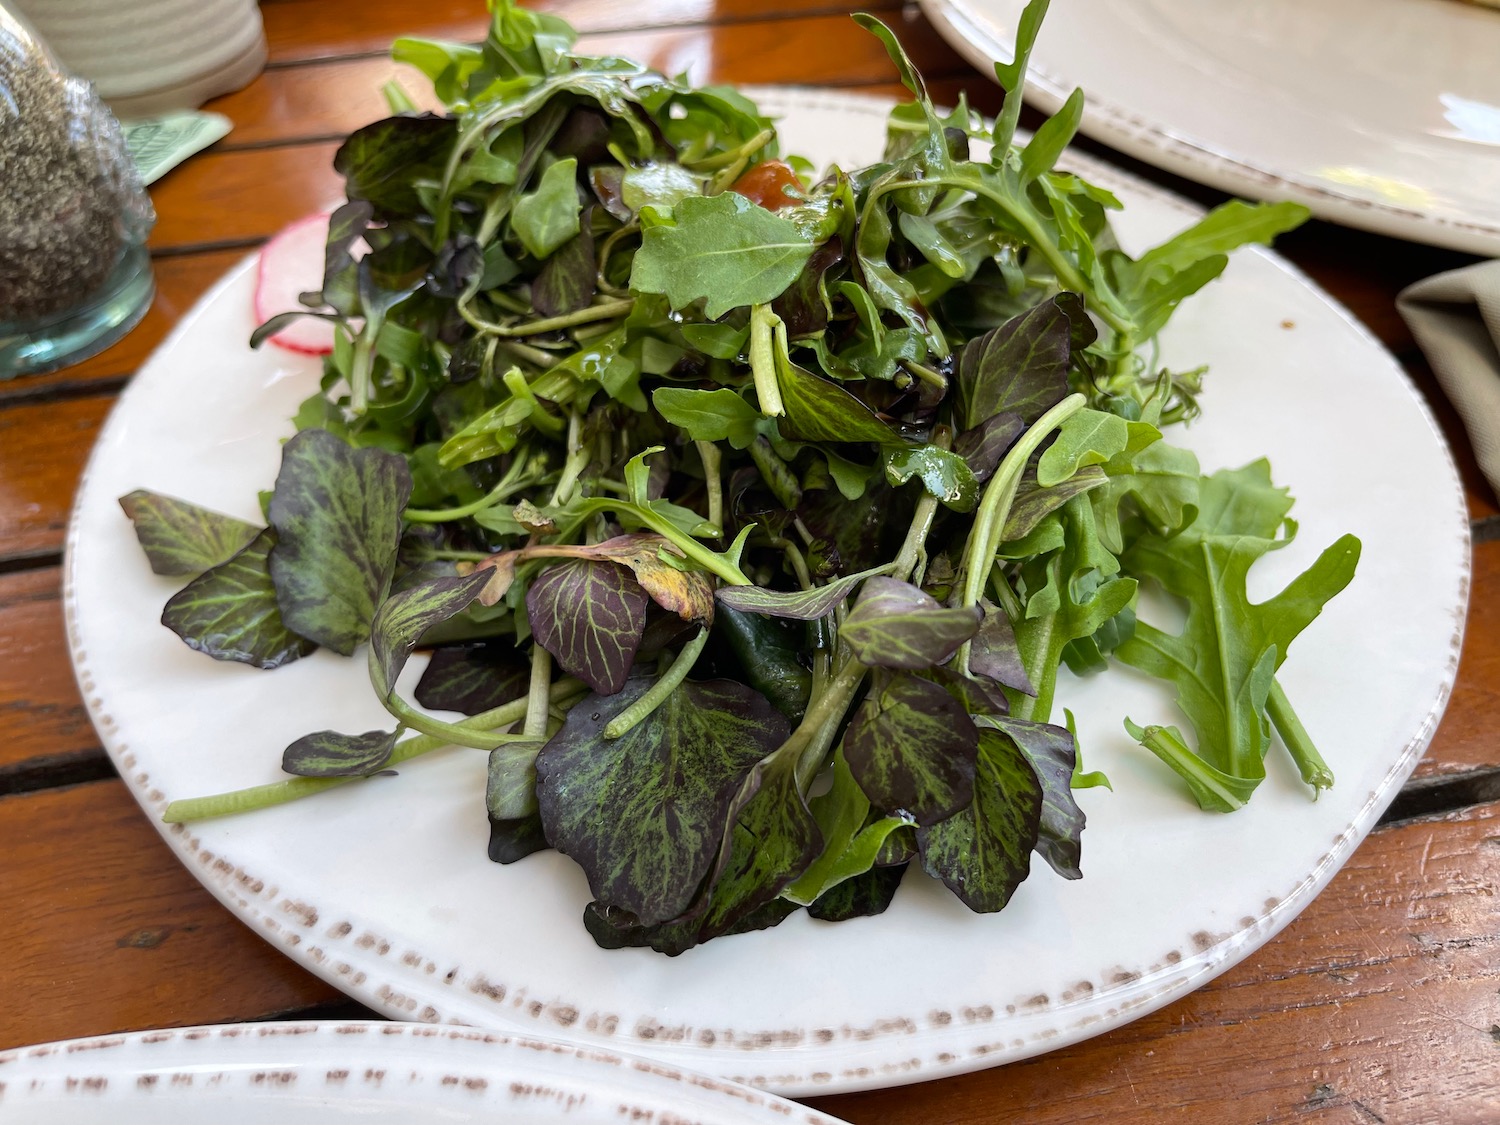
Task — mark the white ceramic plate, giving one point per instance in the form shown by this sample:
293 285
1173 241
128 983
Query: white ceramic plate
373 1073
1381 114
384 887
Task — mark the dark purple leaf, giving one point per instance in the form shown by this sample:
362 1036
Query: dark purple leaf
229 612
569 278
474 678
896 625
986 444
983 852
404 617
645 815
798 605
866 894
1021 367
1052 753
331 754
996 654
182 539
590 616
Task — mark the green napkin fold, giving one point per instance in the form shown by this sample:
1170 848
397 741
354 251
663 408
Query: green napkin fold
1455 318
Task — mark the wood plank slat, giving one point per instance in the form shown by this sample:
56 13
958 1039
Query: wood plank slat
105 931
304 30
41 712
43 448
1378 1004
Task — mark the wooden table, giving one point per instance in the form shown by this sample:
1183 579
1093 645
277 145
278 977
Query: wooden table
1378 1004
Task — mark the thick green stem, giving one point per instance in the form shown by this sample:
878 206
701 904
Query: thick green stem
515 480
994 507
1310 763
657 693
713 460
540 696
763 361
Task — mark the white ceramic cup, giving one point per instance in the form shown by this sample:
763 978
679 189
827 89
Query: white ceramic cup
150 56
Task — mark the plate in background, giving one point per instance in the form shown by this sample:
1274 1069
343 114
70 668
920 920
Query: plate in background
1379 114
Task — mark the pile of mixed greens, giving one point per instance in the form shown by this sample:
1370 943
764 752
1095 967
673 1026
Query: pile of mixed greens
749 516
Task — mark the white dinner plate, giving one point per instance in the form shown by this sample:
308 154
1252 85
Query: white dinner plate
383 887
1380 114
373 1073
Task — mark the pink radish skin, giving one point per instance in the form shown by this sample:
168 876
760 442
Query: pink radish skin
292 263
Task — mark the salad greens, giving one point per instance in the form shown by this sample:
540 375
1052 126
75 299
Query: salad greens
749 514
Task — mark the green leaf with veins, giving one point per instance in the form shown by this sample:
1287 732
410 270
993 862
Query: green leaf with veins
590 616
820 410
718 415
182 539
1223 662
943 473
895 625
547 218
911 747
331 754
645 814
983 852
229 612
722 249
1089 437
337 516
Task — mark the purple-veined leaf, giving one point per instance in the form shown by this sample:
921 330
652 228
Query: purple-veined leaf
983 852
474 678
994 652
589 615
1052 753
405 616
798 605
1021 367
896 625
327 753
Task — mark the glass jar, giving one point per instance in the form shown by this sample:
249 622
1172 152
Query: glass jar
74 272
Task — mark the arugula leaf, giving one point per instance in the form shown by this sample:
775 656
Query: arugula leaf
722 249
230 611
337 516
644 814
181 538
1223 662
548 217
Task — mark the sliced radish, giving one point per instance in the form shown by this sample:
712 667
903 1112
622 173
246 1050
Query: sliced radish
291 264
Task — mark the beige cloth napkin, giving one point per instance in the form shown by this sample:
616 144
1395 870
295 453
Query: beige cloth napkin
1455 318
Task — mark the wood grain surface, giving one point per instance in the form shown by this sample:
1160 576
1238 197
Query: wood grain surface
1380 1003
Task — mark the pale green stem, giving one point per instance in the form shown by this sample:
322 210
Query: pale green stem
657 693
538 699
293 789
713 459
604 310
763 361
